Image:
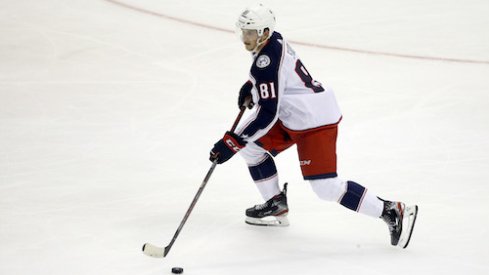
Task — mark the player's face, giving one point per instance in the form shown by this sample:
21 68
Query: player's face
249 38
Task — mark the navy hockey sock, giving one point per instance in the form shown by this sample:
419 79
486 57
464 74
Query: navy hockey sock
354 195
264 170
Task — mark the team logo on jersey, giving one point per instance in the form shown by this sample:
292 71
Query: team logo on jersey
262 61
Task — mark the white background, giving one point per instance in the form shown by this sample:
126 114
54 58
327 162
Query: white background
107 114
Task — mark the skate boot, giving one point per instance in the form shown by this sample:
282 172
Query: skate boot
271 213
400 220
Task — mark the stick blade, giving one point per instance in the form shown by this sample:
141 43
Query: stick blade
153 251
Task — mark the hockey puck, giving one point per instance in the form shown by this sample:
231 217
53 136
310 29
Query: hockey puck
177 270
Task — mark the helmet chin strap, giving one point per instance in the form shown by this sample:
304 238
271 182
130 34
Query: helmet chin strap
258 43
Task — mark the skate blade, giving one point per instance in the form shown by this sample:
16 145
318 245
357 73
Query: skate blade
408 221
279 221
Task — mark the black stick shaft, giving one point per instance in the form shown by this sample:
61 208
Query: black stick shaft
201 188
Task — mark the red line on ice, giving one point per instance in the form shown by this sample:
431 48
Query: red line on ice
335 48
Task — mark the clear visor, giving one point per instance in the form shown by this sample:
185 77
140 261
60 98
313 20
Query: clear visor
245 34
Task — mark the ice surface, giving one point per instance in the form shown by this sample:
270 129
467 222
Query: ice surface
107 114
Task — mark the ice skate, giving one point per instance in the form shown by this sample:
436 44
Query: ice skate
400 220
271 213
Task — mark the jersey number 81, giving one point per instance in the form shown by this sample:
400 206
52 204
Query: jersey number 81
267 90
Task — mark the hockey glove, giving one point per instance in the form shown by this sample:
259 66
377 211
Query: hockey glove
245 98
226 147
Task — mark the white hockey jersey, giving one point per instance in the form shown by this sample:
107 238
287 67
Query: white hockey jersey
284 90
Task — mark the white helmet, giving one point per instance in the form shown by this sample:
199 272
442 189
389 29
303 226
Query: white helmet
257 17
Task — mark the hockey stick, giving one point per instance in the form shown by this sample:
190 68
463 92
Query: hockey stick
160 252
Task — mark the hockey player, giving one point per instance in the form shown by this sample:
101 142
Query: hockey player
290 107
